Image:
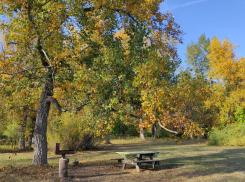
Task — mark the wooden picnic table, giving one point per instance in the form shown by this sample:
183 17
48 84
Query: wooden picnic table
138 157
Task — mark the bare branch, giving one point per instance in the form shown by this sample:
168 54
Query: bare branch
171 131
45 54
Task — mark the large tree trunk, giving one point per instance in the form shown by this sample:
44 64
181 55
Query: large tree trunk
142 136
154 130
40 133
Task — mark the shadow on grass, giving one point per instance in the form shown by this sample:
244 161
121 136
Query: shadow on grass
98 174
148 145
227 161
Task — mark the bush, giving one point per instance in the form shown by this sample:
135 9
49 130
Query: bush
231 135
12 133
67 131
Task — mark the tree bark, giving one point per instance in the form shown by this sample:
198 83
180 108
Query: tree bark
29 141
142 136
22 129
154 130
40 133
22 137
90 142
33 119
108 138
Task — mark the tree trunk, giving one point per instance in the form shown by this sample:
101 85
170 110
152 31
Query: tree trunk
22 130
90 142
154 130
22 138
40 133
33 119
108 138
29 141
142 136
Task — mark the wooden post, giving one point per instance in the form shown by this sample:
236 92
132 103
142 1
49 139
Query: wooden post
63 167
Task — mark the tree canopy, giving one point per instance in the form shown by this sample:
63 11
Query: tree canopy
67 52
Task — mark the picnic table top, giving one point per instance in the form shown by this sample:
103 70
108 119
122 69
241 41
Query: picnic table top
131 155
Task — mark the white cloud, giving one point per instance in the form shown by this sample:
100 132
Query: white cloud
190 3
168 7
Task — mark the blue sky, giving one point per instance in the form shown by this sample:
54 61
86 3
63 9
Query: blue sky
221 18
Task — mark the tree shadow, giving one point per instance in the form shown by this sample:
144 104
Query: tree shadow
227 161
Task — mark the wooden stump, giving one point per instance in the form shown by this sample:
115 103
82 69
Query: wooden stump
63 167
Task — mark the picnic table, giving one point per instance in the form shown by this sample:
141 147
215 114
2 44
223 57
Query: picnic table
138 157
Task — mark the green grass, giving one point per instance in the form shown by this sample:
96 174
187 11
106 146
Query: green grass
190 160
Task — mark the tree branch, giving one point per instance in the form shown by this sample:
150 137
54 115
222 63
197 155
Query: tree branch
24 70
117 10
171 131
55 103
131 115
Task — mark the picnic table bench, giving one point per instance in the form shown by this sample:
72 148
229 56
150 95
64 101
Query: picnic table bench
136 158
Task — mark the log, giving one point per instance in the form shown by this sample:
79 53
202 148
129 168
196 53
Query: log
63 167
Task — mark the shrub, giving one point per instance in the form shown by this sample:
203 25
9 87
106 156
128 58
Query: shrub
240 115
12 132
231 135
67 131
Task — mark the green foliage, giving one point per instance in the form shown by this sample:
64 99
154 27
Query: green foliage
231 135
162 133
240 115
12 131
121 128
197 55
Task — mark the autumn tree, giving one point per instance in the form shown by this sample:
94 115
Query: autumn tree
196 54
17 102
61 44
227 74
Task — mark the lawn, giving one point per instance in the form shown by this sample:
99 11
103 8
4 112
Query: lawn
187 161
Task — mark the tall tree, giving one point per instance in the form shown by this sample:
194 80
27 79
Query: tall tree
227 73
60 44
196 54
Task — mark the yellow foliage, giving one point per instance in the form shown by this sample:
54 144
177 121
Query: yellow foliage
228 73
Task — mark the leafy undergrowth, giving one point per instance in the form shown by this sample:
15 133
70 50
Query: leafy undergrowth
231 135
187 161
